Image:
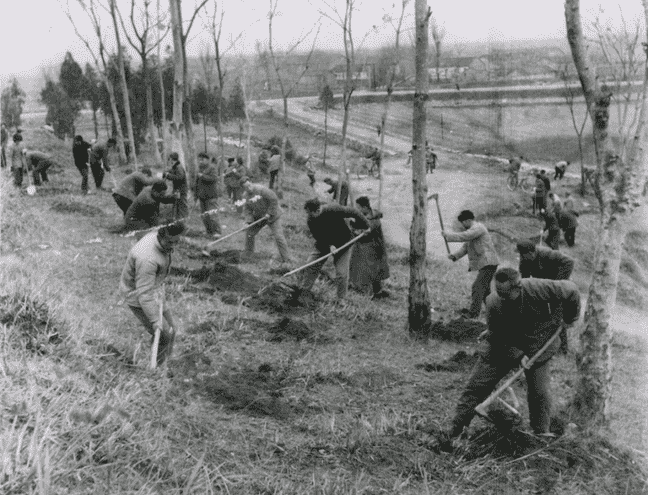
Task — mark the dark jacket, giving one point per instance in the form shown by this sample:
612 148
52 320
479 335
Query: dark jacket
207 182
178 177
133 184
551 222
81 153
549 264
369 258
523 326
146 208
329 228
568 219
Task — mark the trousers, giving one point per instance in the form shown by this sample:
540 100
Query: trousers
341 262
276 227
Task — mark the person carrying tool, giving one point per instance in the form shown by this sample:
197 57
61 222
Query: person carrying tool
368 266
523 315
178 177
328 226
262 202
147 265
99 160
131 186
482 257
206 192
38 163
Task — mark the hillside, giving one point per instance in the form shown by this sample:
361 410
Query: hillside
260 396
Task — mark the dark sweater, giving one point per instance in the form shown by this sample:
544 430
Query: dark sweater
178 177
81 153
329 228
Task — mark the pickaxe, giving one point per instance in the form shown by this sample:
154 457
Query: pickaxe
435 196
481 408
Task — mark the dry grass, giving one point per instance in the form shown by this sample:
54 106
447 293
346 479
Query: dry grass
341 403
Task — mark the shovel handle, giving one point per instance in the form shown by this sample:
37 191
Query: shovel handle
237 231
481 408
323 257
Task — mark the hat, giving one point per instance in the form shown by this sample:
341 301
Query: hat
525 247
466 215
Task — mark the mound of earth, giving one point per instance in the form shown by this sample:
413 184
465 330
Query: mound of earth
280 296
461 361
76 207
223 277
458 330
286 328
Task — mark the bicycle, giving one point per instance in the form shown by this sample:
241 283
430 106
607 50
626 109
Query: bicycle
364 168
513 182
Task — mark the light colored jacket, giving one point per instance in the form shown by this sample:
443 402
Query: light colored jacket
145 270
478 245
261 200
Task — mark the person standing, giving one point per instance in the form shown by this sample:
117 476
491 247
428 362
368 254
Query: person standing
207 194
539 308
147 265
568 221
178 177
552 229
515 164
333 189
144 213
274 165
232 179
545 179
328 226
17 160
369 266
131 186
81 155
4 138
262 202
100 160
482 257
539 195
430 158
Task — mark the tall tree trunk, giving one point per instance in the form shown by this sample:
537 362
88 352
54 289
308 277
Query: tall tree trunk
177 126
619 179
325 132
124 87
153 134
94 121
419 311
113 108
162 93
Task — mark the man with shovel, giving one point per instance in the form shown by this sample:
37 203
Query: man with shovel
147 265
482 257
328 226
262 202
523 316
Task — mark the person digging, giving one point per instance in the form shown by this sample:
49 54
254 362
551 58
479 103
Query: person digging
482 257
141 282
522 316
262 202
328 226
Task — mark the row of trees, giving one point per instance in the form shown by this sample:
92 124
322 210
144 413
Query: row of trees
12 101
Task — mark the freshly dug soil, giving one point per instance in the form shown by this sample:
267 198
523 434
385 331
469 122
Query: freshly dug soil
460 362
459 330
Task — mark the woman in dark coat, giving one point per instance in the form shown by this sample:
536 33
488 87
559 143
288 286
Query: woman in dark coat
368 266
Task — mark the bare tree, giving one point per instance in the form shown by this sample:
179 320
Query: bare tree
264 61
287 80
393 70
344 21
100 63
181 107
570 95
160 27
437 32
618 184
419 311
141 43
124 86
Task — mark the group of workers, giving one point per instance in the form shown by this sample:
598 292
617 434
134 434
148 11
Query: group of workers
537 295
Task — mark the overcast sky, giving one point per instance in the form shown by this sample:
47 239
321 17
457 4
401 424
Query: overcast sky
34 33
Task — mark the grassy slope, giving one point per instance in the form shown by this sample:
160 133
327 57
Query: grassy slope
344 411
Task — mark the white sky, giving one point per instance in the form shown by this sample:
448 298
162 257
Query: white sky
36 32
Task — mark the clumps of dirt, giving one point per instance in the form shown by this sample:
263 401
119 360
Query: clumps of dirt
458 330
30 323
229 278
195 275
459 362
254 391
280 297
76 208
557 460
231 256
288 329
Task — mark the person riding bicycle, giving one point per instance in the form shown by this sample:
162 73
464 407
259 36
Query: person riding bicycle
514 169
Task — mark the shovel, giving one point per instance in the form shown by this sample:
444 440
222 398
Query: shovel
481 409
435 196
